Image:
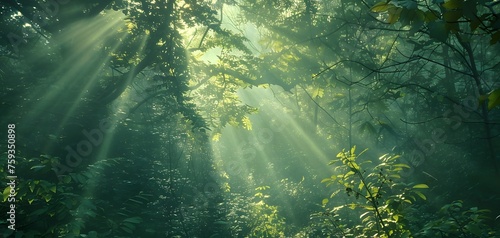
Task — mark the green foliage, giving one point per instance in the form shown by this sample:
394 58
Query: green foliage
264 218
454 220
440 18
379 195
493 99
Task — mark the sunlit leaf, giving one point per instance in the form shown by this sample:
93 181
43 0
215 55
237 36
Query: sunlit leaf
394 14
494 99
318 92
326 180
364 214
349 174
381 7
37 167
420 194
6 193
421 186
247 124
324 201
31 186
216 136
361 186
395 176
402 165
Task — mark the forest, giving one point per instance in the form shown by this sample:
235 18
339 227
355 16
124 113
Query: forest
240 118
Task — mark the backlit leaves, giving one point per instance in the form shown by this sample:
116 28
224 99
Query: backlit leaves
494 98
379 195
421 186
382 6
441 18
318 92
247 124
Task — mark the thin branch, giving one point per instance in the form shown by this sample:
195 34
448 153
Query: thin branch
320 107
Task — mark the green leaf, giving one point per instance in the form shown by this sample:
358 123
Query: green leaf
408 4
129 225
494 99
47 197
421 186
438 31
421 195
364 214
431 15
135 220
394 14
31 186
223 223
402 165
6 193
349 174
66 179
136 201
361 186
452 16
395 176
318 93
324 202
381 7
247 124
37 167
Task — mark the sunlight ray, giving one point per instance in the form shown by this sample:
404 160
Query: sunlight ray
66 79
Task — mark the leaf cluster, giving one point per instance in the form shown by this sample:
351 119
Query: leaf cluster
377 192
